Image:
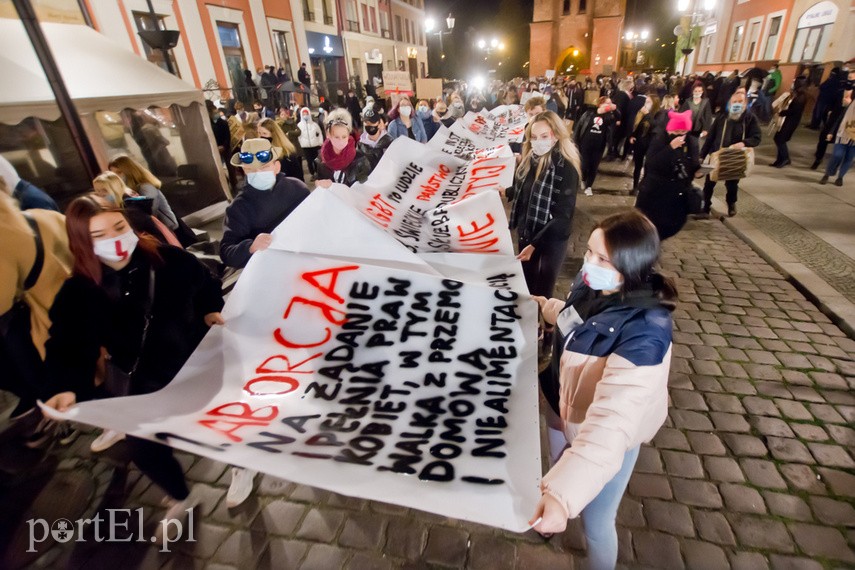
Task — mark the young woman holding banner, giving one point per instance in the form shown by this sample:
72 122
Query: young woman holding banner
144 305
607 387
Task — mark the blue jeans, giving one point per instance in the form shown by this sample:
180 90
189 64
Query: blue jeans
842 157
598 518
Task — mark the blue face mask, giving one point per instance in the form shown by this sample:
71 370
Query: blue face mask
600 278
423 114
736 108
263 180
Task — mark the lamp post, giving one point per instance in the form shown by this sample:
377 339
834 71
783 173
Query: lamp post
633 39
430 24
692 13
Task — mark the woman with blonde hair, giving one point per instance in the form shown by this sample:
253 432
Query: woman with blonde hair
340 161
143 182
291 161
109 188
544 200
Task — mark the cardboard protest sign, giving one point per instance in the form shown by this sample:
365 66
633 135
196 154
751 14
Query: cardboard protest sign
397 84
427 88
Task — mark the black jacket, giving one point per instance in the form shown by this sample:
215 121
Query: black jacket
292 165
375 153
662 193
792 116
584 125
746 130
256 212
702 120
357 171
86 317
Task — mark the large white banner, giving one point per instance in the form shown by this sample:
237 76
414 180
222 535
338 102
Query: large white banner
351 363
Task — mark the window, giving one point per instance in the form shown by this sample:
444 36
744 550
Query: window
407 29
772 40
398 35
280 42
384 24
328 20
704 49
365 25
566 10
737 39
307 12
753 38
235 59
412 32
583 4
810 43
352 15
373 11
145 23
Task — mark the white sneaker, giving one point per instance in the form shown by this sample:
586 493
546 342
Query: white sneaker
240 487
106 440
588 191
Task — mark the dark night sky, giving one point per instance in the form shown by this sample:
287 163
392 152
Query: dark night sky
510 19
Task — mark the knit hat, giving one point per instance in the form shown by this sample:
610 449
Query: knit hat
679 121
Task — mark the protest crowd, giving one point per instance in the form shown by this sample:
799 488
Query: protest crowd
104 300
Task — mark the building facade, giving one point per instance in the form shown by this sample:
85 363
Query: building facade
367 36
408 31
578 35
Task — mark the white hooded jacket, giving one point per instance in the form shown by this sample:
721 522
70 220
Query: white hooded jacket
310 133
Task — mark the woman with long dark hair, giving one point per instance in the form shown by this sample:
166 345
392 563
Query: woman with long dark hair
144 305
607 387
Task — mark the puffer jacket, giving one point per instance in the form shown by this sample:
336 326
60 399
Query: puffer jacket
310 133
612 394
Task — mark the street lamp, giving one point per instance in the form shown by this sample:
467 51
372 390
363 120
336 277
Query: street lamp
430 24
692 13
482 44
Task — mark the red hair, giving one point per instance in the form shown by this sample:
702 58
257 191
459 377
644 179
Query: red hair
78 215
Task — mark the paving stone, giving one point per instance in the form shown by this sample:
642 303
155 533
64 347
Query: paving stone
725 403
696 493
669 517
320 525
713 527
848 412
840 482
798 378
242 549
833 512
802 347
762 473
730 422
370 561
745 445
826 413
324 557
742 499
687 400
649 461
682 464
760 532
803 478
831 455
774 345
748 561
821 363
704 352
772 388
763 357
530 556
787 506
655 549
339 501
780 562
702 555
793 410
713 340
735 384
789 450
488 552
689 420
839 397
279 517
806 394
446 546
631 513
208 538
206 471
733 354
650 485
362 531
270 485
670 438
405 538
706 367
757 406
815 540
841 434
307 494
724 469
705 443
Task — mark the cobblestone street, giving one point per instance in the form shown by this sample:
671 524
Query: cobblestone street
754 469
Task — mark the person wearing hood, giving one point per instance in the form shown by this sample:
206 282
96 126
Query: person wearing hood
352 105
28 195
403 124
268 198
670 167
429 119
340 161
374 139
732 128
591 132
311 139
843 135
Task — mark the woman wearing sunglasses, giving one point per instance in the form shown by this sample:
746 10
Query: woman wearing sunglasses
267 198
340 161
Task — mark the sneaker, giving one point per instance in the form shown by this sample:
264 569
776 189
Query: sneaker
838 182
824 179
241 486
106 440
588 191
731 210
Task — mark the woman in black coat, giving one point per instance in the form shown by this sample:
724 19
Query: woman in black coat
340 160
792 113
146 306
670 166
641 137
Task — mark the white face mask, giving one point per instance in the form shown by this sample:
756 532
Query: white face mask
406 111
600 278
262 180
307 117
541 147
116 249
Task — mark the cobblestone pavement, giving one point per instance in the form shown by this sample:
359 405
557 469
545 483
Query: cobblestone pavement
754 468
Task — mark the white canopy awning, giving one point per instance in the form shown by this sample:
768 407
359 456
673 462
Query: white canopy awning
99 75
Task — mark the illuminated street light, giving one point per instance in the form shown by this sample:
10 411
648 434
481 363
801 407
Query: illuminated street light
645 34
494 43
501 46
430 23
482 44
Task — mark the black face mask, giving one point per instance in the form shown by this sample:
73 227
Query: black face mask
371 130
267 138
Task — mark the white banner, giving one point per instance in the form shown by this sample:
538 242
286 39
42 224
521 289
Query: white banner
350 363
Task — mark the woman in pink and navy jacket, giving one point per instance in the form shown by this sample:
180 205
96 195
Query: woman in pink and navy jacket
608 384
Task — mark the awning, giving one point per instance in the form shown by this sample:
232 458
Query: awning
99 75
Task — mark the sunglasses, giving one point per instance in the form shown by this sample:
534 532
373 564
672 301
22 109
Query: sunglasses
263 156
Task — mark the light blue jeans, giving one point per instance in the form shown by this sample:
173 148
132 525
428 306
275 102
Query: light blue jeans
598 518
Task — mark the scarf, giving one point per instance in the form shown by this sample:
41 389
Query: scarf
847 126
366 140
338 161
539 208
